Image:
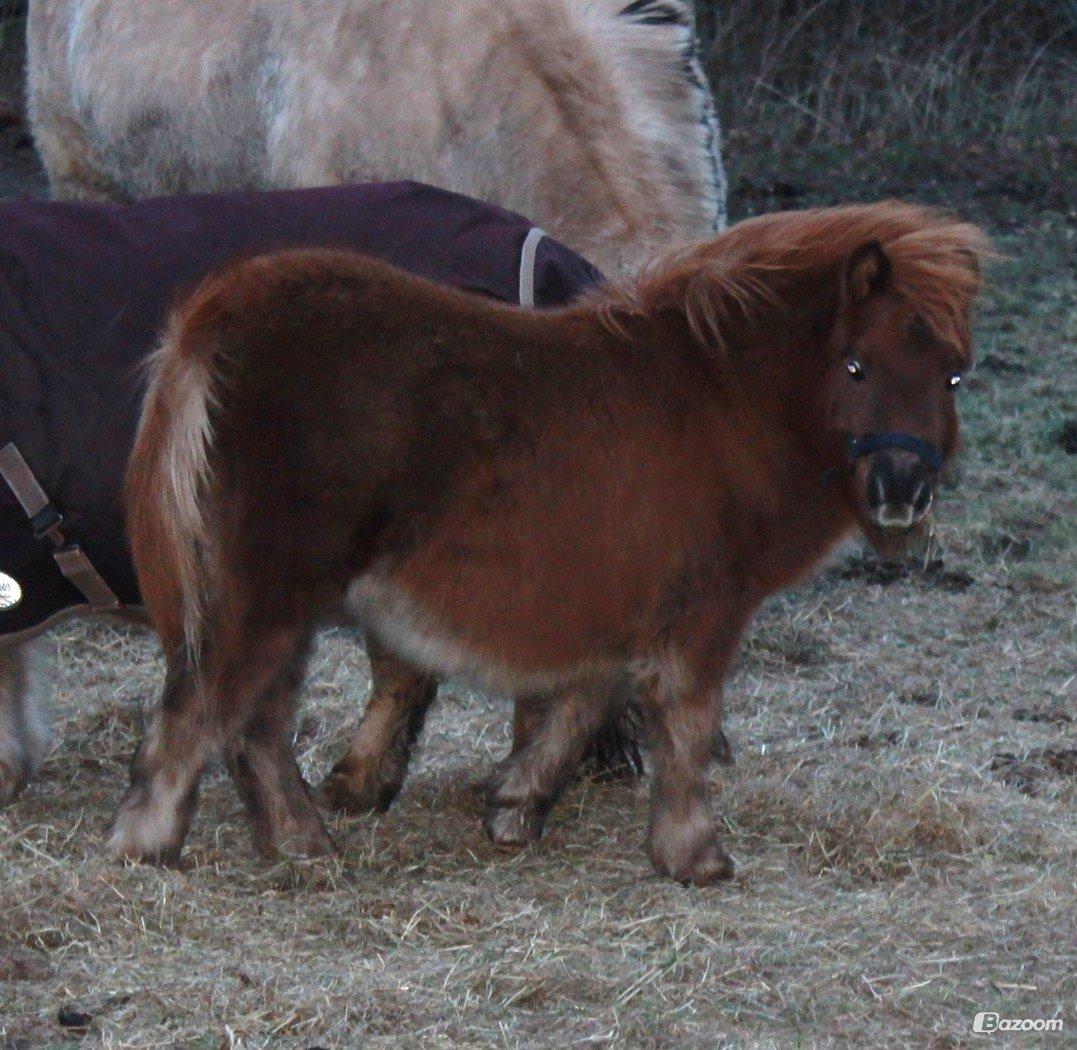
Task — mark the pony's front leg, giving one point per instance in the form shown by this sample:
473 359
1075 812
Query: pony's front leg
24 734
682 841
371 774
550 737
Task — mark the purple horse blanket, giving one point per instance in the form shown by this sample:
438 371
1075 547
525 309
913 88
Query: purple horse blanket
84 290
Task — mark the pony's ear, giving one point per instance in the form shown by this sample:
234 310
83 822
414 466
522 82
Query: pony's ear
866 272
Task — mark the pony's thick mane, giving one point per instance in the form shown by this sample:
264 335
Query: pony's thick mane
935 264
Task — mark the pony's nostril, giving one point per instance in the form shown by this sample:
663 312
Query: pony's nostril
922 500
877 491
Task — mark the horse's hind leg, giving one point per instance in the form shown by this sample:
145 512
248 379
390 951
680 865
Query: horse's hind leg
263 766
550 740
371 774
197 713
24 734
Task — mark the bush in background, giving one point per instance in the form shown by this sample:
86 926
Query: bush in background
994 77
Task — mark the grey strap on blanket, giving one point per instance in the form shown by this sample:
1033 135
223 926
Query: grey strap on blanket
46 520
528 252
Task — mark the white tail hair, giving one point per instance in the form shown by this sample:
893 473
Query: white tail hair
176 433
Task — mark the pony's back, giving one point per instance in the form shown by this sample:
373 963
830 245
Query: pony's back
590 116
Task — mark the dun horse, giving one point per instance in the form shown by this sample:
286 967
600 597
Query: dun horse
590 117
531 501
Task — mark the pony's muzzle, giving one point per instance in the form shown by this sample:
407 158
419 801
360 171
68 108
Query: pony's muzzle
900 489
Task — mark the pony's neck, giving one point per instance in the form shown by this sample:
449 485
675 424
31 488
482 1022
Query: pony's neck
768 354
785 369
763 386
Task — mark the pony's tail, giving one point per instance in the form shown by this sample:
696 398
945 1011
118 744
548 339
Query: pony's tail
168 478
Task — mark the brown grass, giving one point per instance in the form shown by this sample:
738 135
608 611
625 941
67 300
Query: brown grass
890 884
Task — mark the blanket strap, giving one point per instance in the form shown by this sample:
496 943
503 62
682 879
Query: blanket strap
46 520
528 253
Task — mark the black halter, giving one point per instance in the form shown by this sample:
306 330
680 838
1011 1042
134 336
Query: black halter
855 447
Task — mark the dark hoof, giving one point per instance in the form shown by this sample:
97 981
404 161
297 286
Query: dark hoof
309 839
703 867
712 865
356 796
512 826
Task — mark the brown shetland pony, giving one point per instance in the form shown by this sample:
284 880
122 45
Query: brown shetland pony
535 502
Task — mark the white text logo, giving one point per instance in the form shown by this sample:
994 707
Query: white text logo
986 1022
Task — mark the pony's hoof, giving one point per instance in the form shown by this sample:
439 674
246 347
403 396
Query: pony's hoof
712 865
128 839
512 826
149 828
703 867
307 839
356 796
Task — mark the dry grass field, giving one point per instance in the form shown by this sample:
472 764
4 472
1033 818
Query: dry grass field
902 806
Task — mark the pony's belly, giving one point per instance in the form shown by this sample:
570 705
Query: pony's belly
443 646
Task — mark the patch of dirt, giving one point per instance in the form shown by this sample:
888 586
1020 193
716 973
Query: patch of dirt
1003 545
934 573
919 697
773 648
872 741
23 964
1028 773
1054 716
1000 365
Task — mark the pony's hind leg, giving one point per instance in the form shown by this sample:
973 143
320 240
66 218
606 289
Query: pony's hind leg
371 774
550 739
262 763
152 819
24 734
198 711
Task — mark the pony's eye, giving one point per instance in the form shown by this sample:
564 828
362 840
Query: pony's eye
954 380
854 368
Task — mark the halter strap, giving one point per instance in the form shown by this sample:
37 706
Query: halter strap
856 447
